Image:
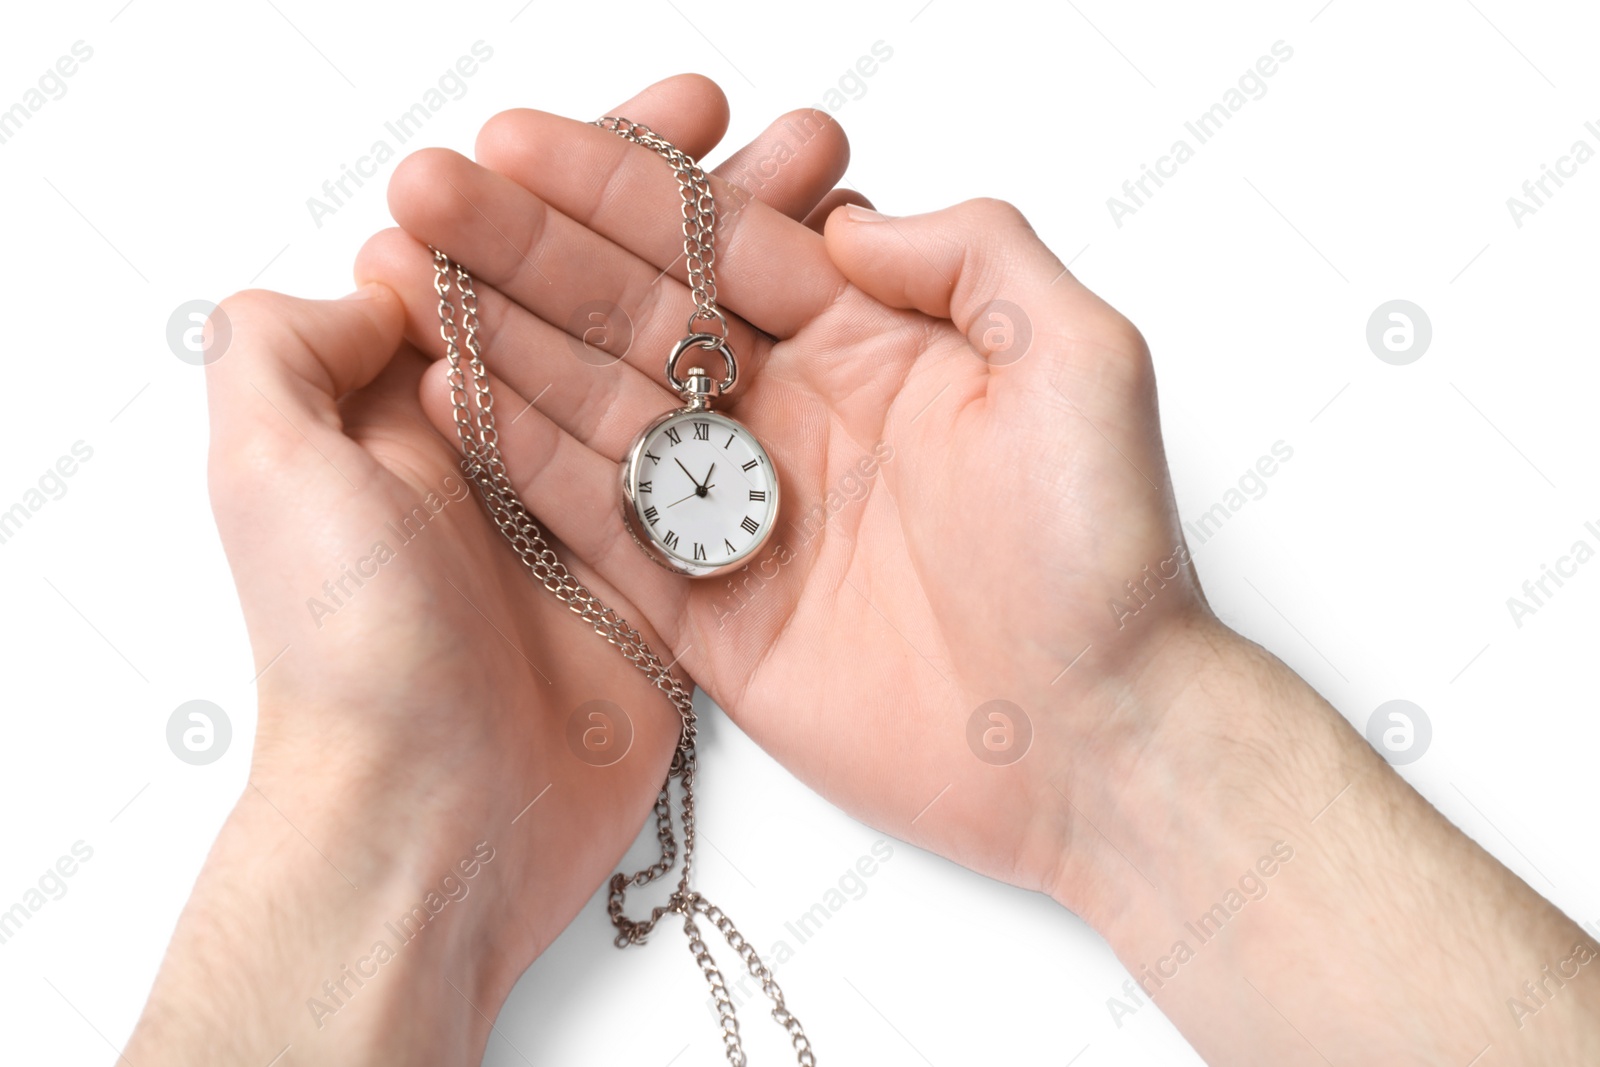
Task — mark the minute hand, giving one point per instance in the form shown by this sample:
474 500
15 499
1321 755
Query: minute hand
685 470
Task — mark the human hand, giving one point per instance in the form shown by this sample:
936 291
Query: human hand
969 517
954 522
417 698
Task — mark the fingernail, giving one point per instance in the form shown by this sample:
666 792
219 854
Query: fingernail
858 213
366 292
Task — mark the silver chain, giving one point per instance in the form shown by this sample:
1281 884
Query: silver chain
699 220
482 463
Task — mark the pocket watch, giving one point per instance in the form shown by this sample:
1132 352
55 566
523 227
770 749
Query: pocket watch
699 494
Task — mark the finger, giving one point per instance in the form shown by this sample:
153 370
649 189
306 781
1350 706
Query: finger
690 110
289 361
956 263
503 234
835 198
491 225
771 270
572 490
575 380
792 165
373 411
557 269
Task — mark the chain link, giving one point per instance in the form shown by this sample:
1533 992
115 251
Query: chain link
483 465
699 220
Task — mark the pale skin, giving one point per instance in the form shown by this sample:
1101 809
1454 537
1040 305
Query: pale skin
1170 758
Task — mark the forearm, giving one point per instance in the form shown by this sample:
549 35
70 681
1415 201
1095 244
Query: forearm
1300 903
313 952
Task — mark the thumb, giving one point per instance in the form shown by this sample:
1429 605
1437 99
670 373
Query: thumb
978 264
288 361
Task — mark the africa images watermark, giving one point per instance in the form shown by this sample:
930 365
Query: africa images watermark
1537 192
51 85
336 992
851 885
1538 591
752 177
1143 588
51 485
1251 886
852 83
51 885
337 592
1537 994
337 191
1252 485
1252 85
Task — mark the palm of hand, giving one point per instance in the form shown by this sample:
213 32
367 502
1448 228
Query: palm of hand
419 658
478 696
960 527
999 507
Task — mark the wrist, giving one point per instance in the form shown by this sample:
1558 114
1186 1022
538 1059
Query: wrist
315 925
1224 758
1256 861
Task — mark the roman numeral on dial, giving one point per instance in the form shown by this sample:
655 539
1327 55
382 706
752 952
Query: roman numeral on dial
646 487
758 494
672 435
699 550
748 525
651 515
750 466
702 431
671 540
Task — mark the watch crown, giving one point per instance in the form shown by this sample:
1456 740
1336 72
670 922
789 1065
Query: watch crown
698 388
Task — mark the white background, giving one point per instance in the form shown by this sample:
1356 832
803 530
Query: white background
1419 498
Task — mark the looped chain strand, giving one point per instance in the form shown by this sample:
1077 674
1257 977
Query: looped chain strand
699 220
473 413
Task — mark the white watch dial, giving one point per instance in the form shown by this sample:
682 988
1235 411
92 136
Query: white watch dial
704 491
